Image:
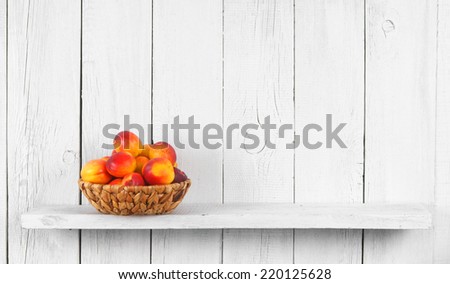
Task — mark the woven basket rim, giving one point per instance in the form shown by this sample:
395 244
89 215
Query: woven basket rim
134 188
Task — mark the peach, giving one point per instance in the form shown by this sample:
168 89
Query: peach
158 171
133 179
180 176
121 164
127 141
162 150
140 163
106 158
116 181
95 171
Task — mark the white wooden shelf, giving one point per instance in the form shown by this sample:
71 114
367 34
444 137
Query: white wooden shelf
239 216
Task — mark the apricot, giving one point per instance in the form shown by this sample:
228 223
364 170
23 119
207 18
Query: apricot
95 171
140 163
180 176
158 171
127 141
145 150
121 164
116 181
133 179
162 150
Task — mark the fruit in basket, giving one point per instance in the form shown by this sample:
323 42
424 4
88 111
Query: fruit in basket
140 163
133 179
180 176
95 171
127 141
162 150
121 164
134 164
158 171
116 181
145 150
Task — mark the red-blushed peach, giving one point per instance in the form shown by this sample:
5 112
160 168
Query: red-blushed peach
116 181
127 141
158 171
95 171
180 176
162 150
121 164
140 163
133 179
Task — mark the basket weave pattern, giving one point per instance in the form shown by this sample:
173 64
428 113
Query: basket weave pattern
134 200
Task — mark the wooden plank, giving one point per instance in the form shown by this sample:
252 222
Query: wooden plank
258 82
400 125
43 123
188 82
329 79
239 215
442 194
3 119
116 82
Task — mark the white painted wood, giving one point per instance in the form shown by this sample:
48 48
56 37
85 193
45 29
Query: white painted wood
3 119
329 79
44 74
400 125
116 82
442 193
258 82
187 81
43 123
239 215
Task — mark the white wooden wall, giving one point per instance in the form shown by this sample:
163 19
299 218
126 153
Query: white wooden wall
69 67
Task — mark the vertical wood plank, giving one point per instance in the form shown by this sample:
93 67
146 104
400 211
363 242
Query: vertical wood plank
188 82
258 82
3 118
442 193
329 79
400 120
116 82
43 123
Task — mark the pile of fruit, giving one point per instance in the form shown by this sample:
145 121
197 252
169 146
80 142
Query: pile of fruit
134 164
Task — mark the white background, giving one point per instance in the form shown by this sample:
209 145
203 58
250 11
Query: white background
68 67
347 274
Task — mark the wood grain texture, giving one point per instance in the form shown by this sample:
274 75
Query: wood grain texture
188 82
442 194
400 125
3 142
239 215
258 82
43 123
116 82
329 79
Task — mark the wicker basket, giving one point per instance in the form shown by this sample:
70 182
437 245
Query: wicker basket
134 200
